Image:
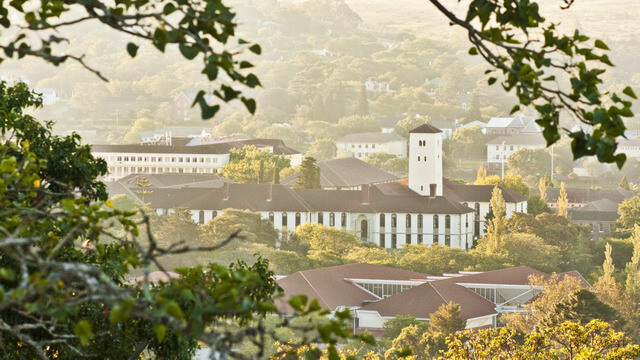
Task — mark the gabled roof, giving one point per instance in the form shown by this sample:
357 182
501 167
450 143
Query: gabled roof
252 197
346 172
168 180
421 301
371 137
332 287
425 129
599 210
162 149
477 193
583 196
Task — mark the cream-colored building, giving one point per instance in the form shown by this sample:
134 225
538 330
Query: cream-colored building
364 144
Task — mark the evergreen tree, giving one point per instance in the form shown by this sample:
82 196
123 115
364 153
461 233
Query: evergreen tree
623 183
446 320
143 190
562 204
362 108
309 176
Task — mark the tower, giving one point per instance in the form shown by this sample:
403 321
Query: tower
425 160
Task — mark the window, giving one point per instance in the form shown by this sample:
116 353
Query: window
419 238
394 242
418 157
201 217
343 220
420 221
373 146
436 238
180 159
425 158
408 222
436 223
407 238
332 219
320 218
214 214
285 221
271 217
298 219
447 222
359 146
353 146
394 220
447 240
382 245
601 227
366 146
382 220
119 158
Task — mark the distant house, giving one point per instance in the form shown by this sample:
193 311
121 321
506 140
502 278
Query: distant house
364 144
500 148
581 197
630 147
346 174
508 126
599 215
377 87
376 294
447 127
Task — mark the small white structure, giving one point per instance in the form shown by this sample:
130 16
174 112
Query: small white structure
364 144
500 148
425 160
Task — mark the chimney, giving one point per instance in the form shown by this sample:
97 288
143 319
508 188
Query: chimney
432 188
270 192
365 194
225 186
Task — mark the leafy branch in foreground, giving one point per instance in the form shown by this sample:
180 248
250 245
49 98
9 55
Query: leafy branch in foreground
63 292
549 71
198 28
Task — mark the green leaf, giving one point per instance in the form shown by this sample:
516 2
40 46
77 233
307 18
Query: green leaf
161 332
245 65
601 45
629 92
473 51
83 332
255 49
132 49
188 51
250 104
514 109
174 310
491 80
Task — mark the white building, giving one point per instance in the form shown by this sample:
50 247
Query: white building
500 148
123 160
364 144
630 147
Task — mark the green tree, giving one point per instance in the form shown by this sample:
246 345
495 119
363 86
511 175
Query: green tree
482 173
143 188
629 211
497 227
328 245
536 205
177 228
624 183
379 159
309 175
582 306
526 249
252 165
362 108
358 124
632 269
446 320
409 123
469 143
393 327
322 149
528 163
249 226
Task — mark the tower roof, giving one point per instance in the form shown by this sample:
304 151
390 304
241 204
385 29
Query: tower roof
425 129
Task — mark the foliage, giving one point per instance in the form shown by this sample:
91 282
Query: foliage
632 269
393 327
496 228
624 183
529 163
562 204
177 228
582 306
469 143
510 181
446 320
409 123
309 175
536 205
249 227
252 165
526 249
327 244
322 149
568 340
414 339
528 62
629 211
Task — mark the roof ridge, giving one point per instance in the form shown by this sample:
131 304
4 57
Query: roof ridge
314 289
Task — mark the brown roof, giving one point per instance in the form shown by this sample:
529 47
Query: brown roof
346 172
425 129
477 193
252 197
222 148
423 300
332 288
599 210
582 196
168 180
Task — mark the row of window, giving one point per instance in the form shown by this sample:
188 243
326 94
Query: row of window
173 159
436 221
366 146
384 290
121 170
420 239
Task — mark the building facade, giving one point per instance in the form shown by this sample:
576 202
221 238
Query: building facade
362 145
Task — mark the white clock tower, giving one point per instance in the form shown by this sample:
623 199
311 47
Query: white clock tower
425 160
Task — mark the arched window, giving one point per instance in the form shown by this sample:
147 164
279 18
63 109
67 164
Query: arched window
271 217
214 214
394 220
332 219
285 220
447 222
420 221
436 222
382 220
201 217
320 218
343 220
477 208
298 219
408 221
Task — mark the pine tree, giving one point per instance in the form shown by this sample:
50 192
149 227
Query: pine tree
362 108
143 185
309 176
563 202
542 187
623 183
